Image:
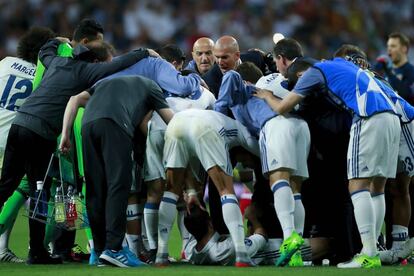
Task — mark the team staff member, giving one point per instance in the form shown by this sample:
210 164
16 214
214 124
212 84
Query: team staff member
228 57
110 124
39 120
203 58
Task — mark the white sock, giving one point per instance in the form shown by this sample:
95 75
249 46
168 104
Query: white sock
399 235
133 214
91 245
151 224
4 240
234 221
144 234
378 201
284 206
124 242
185 235
299 214
365 219
166 217
133 243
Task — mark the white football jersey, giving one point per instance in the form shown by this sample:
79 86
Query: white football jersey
16 77
204 102
219 250
273 82
234 133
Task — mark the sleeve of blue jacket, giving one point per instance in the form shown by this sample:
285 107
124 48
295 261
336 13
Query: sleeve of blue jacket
233 91
171 80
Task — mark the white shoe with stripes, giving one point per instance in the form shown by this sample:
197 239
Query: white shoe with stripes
8 256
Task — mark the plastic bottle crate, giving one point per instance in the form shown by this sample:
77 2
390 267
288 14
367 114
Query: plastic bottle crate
33 212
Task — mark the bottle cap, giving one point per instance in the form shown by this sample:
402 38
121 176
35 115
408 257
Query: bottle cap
39 185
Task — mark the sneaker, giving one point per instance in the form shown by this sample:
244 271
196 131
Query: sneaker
162 259
362 261
77 255
243 264
389 256
121 258
395 255
42 258
93 258
172 259
183 257
8 256
288 248
296 259
148 256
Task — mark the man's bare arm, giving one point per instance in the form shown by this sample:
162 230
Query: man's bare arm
71 110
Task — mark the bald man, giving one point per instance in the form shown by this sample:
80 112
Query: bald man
203 58
227 53
226 50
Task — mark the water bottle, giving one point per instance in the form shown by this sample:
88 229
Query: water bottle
41 200
71 214
59 206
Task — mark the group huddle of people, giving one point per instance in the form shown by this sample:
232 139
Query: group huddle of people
327 140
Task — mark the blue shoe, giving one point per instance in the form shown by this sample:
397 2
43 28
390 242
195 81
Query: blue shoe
93 258
121 258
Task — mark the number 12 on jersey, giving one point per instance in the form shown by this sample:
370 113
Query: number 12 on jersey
15 89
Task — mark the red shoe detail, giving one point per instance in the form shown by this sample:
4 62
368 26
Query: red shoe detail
241 264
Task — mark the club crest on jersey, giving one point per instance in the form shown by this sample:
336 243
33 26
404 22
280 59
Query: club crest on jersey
248 242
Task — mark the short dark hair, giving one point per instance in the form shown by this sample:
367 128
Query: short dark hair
349 50
354 54
88 28
300 65
404 40
98 50
171 52
288 48
31 42
249 71
197 222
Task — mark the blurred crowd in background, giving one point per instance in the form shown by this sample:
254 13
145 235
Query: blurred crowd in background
321 26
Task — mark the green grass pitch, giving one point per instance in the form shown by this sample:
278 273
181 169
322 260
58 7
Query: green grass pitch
19 244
